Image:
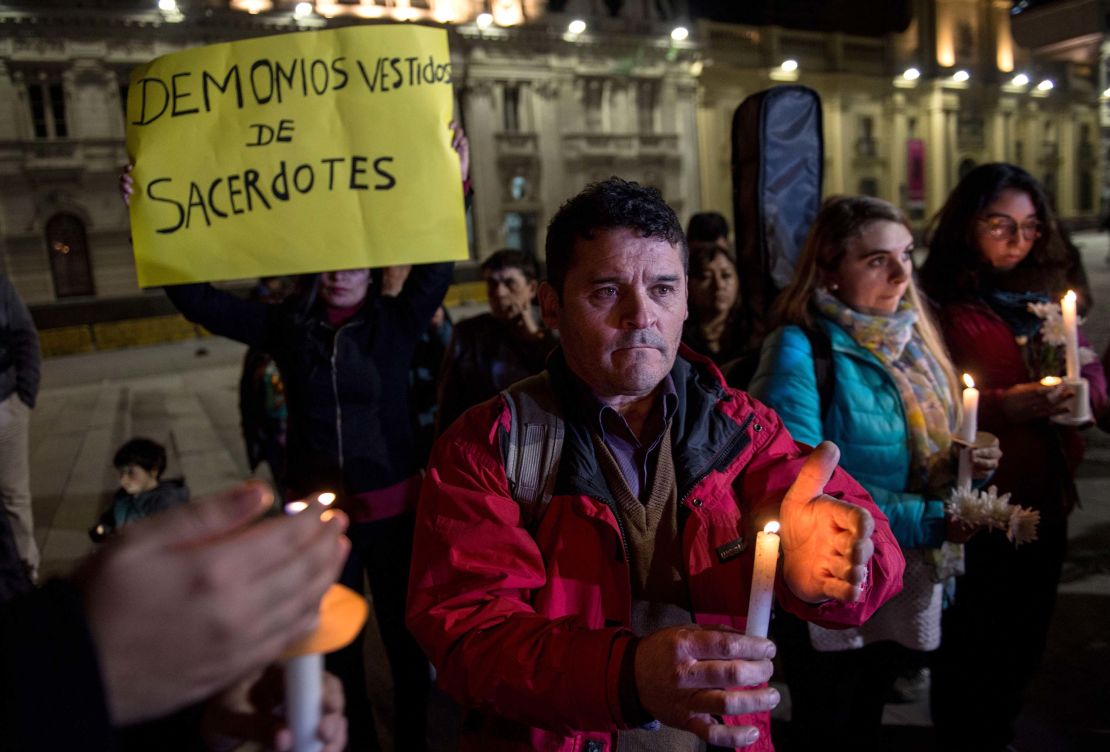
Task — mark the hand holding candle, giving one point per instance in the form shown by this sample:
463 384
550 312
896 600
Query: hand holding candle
304 676
763 580
826 543
969 420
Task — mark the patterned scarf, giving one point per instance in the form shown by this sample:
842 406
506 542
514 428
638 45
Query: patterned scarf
1013 308
921 382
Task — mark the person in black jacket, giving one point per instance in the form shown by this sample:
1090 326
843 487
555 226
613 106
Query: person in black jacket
492 350
19 386
344 355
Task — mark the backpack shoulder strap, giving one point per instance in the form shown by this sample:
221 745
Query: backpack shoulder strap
536 432
821 346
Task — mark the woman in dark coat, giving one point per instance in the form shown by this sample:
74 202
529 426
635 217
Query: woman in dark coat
994 249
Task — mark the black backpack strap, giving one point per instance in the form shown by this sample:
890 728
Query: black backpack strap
821 346
536 433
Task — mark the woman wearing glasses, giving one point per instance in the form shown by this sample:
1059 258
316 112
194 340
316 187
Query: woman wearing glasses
995 249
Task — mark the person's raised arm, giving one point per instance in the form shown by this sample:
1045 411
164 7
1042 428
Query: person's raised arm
427 284
218 311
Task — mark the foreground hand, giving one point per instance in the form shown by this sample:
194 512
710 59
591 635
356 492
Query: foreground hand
683 676
461 146
126 184
249 712
826 543
985 459
187 602
1025 402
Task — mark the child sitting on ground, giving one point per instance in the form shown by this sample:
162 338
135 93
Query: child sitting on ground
142 491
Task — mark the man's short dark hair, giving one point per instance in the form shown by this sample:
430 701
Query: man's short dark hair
509 258
144 453
706 227
607 205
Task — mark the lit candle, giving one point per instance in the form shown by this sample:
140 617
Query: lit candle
1051 381
763 580
969 423
304 677
1071 334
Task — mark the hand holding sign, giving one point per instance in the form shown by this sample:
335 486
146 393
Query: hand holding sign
826 542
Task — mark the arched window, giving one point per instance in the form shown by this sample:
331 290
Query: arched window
69 256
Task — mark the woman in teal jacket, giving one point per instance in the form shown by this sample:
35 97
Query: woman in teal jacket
858 361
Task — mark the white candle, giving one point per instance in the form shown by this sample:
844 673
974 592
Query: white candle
1071 334
303 689
304 677
969 423
763 580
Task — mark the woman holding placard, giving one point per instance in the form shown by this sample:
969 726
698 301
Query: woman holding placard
996 269
858 361
345 352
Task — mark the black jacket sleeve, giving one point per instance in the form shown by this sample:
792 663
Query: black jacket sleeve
23 343
53 697
222 313
423 293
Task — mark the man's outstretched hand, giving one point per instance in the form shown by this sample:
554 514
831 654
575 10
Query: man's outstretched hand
826 542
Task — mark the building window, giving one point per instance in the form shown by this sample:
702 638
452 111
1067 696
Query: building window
1086 191
866 145
518 187
69 256
519 230
510 108
593 99
647 105
48 109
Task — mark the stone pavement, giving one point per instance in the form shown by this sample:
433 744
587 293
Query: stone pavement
91 403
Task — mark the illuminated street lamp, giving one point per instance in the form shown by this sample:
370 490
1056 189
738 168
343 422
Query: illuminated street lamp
679 33
1046 85
1020 80
167 6
960 76
789 66
577 26
911 74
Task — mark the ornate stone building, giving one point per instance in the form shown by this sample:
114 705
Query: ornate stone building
546 110
548 107
907 114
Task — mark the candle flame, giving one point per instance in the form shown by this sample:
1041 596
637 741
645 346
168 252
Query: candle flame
294 507
1070 296
771 527
326 498
969 381
1051 381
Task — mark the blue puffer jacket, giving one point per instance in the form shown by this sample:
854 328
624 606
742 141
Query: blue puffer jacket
865 419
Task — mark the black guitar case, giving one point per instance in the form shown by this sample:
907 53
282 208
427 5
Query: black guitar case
777 168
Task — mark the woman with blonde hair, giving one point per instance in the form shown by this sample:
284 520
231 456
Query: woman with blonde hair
856 359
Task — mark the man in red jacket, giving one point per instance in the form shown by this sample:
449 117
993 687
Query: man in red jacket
604 614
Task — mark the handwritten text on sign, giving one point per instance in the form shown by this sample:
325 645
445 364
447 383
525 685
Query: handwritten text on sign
295 153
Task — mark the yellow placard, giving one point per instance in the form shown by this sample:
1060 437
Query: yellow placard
295 153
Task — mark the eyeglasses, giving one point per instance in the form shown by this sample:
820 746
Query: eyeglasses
1005 228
